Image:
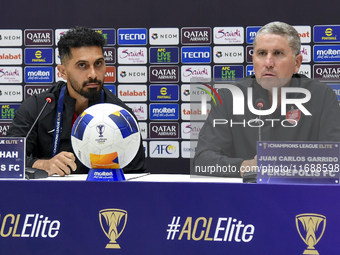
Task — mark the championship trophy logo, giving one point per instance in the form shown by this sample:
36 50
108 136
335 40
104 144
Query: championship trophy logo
112 225
310 223
100 130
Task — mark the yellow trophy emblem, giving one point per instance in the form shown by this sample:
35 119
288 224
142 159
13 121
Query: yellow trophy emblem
311 223
113 219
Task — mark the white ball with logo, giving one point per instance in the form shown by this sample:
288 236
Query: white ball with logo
105 136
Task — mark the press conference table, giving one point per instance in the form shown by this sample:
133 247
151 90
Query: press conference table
147 177
166 214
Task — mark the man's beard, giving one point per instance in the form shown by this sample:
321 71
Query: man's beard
91 94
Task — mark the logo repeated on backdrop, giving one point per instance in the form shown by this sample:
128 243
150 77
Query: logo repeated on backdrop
168 55
133 74
305 70
164 36
249 52
132 55
164 92
228 54
192 73
38 37
304 33
143 129
11 93
228 73
196 35
215 229
132 36
164 149
196 55
113 222
193 93
327 34
110 55
310 227
8 111
164 130
110 74
59 33
4 126
326 53
329 72
140 110
33 225
112 88
188 149
31 90
10 56
251 33
306 53
10 74
228 35
39 74
128 93
249 70
190 130
10 37
193 111
164 74
38 56
109 35
164 111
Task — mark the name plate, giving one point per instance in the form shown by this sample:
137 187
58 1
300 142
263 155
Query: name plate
298 162
12 158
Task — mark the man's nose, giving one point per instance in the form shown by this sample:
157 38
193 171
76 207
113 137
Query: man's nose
269 61
92 74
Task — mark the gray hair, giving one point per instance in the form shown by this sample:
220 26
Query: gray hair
283 29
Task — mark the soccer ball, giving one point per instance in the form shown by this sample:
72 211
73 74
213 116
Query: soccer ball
105 136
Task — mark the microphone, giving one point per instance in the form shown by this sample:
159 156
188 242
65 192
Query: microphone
259 104
251 177
34 173
49 99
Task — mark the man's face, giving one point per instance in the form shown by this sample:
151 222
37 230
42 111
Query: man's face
85 72
274 61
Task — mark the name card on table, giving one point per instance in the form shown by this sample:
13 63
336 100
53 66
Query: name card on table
298 162
12 158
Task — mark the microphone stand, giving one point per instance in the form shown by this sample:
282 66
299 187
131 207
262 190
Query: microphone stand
34 173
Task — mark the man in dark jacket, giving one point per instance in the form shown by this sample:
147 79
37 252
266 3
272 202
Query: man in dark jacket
227 142
48 147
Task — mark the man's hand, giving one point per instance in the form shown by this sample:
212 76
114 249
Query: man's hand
60 164
248 166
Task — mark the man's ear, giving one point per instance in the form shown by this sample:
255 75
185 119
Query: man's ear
298 61
62 71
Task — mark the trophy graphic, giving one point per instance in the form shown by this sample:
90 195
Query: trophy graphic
113 218
311 223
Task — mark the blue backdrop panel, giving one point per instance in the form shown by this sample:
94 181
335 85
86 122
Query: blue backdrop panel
164 218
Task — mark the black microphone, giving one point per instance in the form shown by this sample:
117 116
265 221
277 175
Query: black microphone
49 99
259 104
34 173
251 177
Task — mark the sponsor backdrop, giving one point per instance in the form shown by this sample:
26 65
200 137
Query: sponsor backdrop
167 218
153 51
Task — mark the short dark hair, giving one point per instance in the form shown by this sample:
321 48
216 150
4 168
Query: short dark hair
78 37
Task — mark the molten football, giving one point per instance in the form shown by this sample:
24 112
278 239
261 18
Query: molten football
105 136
